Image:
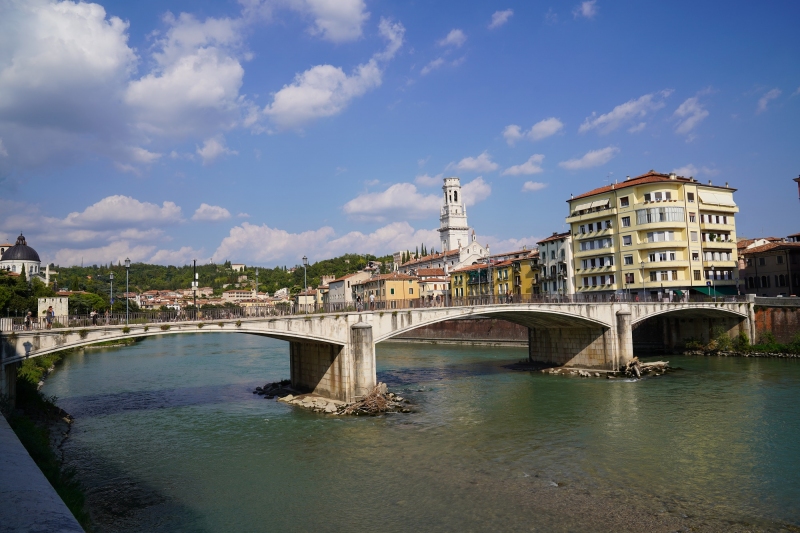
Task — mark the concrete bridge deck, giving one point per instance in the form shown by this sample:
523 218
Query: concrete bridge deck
333 354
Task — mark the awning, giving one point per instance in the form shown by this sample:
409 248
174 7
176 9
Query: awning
599 203
717 198
582 207
678 292
724 290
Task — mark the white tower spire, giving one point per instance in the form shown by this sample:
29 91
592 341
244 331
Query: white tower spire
453 229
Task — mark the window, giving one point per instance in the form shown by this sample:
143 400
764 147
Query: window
628 259
602 280
391 291
658 196
552 255
692 217
623 202
585 264
626 240
694 236
455 196
660 236
647 197
674 275
608 224
583 229
762 261
653 276
690 196
724 220
629 278
590 227
594 281
411 290
659 214
668 195
626 222
593 262
780 261
697 275
586 281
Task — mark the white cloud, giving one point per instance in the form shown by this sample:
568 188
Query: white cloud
266 244
623 113
243 215
325 90
336 20
3 151
499 246
428 181
587 9
691 170
400 198
796 92
500 17
182 256
541 130
482 163
595 158
213 148
531 166
121 210
689 114
764 101
114 252
637 128
211 213
533 186
433 65
455 38
475 191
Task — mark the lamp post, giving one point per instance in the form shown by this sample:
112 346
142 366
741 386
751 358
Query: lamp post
111 277
642 280
127 271
305 284
194 286
713 283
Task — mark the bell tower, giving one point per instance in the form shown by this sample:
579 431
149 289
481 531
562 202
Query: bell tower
453 229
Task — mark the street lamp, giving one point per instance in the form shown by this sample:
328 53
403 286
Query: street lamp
305 283
111 277
194 286
713 283
127 271
642 280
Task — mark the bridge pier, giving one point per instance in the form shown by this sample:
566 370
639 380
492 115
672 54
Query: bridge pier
334 371
584 347
8 383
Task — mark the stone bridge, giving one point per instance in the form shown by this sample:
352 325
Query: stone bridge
334 354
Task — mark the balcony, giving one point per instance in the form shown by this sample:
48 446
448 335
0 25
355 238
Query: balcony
591 216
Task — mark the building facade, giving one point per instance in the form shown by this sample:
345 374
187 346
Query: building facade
556 265
341 291
656 236
387 290
21 258
771 269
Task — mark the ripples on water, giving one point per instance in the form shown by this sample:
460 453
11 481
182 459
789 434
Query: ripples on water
169 437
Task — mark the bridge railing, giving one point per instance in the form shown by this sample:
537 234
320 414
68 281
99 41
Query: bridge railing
290 309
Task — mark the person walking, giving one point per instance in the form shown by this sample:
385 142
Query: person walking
29 321
358 303
93 316
371 302
49 317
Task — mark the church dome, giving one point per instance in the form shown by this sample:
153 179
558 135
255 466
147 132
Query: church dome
20 252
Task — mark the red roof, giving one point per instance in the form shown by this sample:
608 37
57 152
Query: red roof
394 275
650 177
773 246
555 237
430 272
468 268
431 257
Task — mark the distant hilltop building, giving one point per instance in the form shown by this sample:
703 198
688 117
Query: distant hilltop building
21 258
458 242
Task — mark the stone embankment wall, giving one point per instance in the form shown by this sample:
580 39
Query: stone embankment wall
479 331
783 322
665 334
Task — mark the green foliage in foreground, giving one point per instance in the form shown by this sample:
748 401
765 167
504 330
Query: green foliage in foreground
30 423
722 342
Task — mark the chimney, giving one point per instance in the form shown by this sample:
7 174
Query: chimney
672 176
709 182
726 185
627 178
571 196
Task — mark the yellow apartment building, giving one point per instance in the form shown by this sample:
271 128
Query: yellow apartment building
387 290
656 236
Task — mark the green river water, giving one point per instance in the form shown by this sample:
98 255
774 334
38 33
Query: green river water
169 437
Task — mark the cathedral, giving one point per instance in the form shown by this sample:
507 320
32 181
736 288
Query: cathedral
458 243
21 258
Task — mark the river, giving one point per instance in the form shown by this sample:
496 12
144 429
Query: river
169 437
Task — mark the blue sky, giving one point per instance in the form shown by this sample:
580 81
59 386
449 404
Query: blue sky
262 130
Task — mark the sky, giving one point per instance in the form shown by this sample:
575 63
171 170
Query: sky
259 131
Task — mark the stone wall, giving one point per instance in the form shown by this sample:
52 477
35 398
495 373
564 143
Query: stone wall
783 322
668 334
575 347
470 331
317 367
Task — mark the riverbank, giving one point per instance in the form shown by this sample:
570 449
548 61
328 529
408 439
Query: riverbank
43 428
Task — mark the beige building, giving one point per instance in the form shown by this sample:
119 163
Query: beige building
388 291
656 236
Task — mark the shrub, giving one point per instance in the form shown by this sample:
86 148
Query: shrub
221 324
146 328
742 342
200 325
238 323
722 340
126 329
83 333
165 327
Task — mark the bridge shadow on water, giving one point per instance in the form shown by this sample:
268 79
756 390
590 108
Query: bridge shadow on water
401 377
